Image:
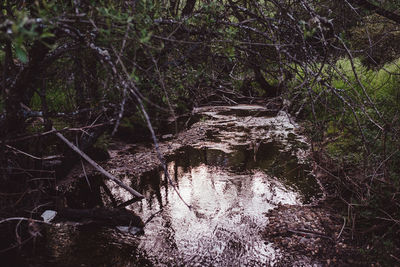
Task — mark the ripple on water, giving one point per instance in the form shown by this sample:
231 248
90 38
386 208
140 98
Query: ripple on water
224 225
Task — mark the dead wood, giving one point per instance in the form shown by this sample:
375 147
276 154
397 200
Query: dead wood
92 162
101 216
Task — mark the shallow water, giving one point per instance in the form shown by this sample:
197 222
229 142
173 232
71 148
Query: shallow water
247 164
229 197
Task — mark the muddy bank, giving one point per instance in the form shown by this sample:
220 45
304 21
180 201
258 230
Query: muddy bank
247 175
218 127
309 236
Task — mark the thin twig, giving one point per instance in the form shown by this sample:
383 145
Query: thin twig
22 219
341 231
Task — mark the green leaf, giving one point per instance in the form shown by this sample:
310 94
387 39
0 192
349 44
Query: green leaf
46 35
21 54
146 36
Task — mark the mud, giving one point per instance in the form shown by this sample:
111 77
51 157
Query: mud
247 173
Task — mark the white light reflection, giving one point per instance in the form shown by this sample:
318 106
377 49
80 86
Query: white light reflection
225 222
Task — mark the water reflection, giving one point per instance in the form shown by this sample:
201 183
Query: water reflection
245 166
230 194
223 226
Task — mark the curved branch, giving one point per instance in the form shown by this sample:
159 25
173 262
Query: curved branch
378 10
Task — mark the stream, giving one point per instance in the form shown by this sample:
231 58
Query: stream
247 162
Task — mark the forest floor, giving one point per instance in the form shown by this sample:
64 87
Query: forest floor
310 236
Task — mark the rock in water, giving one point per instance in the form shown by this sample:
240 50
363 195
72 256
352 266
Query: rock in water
48 215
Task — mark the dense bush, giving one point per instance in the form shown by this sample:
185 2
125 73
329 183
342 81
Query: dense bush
93 65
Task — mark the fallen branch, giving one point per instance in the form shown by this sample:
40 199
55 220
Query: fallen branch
22 219
92 162
32 156
100 216
341 231
394 257
309 233
98 167
152 216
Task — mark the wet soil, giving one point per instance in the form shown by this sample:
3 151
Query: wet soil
247 173
309 236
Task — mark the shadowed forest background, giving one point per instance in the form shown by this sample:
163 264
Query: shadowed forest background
94 71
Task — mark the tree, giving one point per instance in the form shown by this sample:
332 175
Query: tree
91 64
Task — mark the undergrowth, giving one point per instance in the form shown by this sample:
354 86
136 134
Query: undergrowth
356 125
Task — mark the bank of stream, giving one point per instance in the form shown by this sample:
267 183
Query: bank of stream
245 172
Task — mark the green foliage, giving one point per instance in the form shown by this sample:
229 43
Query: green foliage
60 100
384 36
36 103
23 29
57 101
381 85
361 141
93 49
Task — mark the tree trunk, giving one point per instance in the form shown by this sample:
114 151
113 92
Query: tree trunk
189 7
271 91
22 89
